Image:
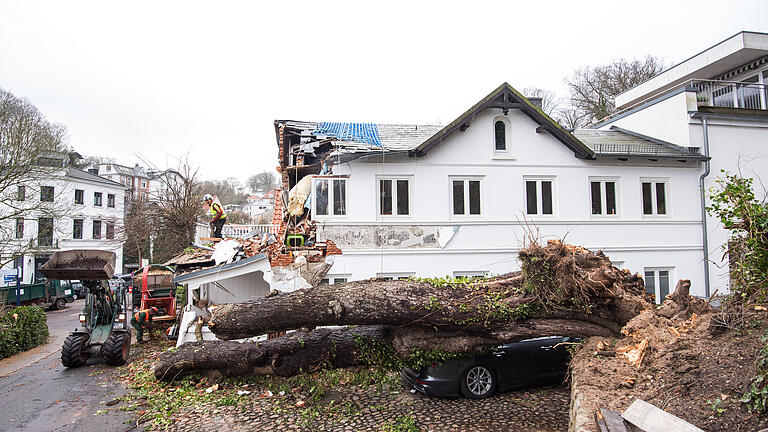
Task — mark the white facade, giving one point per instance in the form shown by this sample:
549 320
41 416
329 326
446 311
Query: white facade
730 122
488 242
92 218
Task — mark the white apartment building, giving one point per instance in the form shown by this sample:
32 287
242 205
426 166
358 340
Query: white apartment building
460 200
136 179
91 217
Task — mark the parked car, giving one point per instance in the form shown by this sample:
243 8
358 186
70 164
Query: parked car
78 290
527 363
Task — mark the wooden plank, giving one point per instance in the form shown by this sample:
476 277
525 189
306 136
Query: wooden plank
652 419
613 420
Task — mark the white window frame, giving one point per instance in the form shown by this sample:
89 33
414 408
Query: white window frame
394 179
396 275
539 200
471 273
656 280
505 154
330 180
336 278
466 180
654 207
603 201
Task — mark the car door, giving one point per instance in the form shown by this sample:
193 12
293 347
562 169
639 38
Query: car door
517 362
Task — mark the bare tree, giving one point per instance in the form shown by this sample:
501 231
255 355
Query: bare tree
226 190
32 157
550 102
178 211
264 180
570 117
593 88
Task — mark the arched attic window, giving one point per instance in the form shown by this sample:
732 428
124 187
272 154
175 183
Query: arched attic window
501 135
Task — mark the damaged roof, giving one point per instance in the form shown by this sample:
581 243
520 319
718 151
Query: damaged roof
617 141
388 137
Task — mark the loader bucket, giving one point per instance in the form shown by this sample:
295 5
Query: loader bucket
82 264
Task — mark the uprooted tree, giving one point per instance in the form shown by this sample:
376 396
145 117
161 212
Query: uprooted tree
561 289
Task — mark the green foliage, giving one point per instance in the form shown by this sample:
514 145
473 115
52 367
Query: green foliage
404 423
22 328
746 217
716 406
756 397
384 356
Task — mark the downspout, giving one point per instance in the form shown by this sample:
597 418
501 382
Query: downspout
704 207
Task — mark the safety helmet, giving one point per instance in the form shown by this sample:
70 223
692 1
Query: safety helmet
207 197
153 309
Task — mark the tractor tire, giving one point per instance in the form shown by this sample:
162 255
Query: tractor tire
74 351
117 348
59 304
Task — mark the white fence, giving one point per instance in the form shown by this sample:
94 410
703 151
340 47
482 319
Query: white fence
234 230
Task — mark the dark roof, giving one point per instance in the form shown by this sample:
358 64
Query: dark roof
85 175
617 141
506 97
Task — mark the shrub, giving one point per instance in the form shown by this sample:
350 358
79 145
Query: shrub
22 328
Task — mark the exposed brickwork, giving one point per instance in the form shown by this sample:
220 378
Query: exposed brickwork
331 248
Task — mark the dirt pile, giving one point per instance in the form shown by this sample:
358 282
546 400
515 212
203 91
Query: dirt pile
677 361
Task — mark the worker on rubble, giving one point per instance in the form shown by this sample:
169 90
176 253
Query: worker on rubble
141 320
219 217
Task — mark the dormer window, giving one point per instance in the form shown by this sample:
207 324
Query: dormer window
500 130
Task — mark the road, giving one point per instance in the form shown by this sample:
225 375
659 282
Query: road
37 393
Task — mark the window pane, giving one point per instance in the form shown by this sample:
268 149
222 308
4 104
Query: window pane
46 193
530 196
663 284
661 203
647 201
21 193
402 197
339 197
546 197
474 197
97 229
339 280
77 229
650 283
19 228
458 197
597 205
501 143
110 230
78 196
385 190
45 232
321 197
610 198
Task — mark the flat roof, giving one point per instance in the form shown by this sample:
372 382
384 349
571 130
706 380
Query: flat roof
741 48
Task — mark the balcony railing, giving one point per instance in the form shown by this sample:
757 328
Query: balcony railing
731 94
235 230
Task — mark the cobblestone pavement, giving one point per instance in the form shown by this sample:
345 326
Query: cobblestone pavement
541 410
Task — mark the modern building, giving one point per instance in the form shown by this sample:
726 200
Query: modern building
717 100
75 209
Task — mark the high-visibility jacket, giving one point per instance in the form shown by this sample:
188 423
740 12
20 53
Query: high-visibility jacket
147 315
217 210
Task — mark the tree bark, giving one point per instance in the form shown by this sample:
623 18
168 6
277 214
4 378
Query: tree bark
562 290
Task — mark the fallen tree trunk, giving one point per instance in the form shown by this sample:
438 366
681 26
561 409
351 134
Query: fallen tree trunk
561 290
559 281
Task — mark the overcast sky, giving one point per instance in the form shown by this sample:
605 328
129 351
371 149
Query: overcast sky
159 80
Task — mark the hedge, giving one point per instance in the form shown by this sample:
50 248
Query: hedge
22 328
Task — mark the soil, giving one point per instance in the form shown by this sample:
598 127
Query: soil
694 370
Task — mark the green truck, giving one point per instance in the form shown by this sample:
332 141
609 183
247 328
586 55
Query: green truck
54 294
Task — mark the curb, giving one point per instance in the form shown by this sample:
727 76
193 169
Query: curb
21 360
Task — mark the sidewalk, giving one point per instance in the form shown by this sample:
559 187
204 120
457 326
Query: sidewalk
21 360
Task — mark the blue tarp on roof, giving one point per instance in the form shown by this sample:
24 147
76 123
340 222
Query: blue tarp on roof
358 132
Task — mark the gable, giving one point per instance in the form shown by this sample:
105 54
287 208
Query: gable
505 97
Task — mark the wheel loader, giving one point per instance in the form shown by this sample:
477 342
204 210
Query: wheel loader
104 320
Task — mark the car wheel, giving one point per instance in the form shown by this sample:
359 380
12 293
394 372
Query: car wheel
59 304
74 296
478 382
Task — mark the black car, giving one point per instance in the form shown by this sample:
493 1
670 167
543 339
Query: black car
528 363
78 290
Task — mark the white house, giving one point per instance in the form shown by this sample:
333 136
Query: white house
716 100
91 217
459 200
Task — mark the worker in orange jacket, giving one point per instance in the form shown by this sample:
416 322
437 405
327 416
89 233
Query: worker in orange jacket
141 320
218 216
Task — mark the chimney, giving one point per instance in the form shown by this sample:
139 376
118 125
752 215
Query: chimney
536 100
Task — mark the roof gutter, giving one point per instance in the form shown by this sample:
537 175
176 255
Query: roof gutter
703 197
